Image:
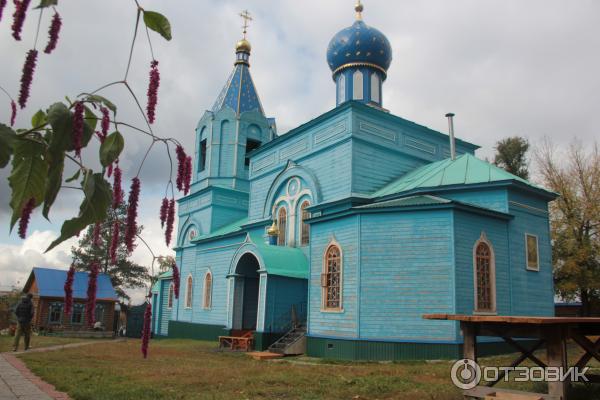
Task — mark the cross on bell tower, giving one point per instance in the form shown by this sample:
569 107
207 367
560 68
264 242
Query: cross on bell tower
247 18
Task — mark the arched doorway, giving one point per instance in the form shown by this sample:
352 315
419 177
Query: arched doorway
246 293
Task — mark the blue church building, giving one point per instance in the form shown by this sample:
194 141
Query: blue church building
349 227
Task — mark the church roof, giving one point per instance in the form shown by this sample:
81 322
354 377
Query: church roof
282 260
227 229
411 201
239 93
464 170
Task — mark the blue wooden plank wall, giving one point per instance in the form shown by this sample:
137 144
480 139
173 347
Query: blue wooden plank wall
282 293
165 312
495 199
406 269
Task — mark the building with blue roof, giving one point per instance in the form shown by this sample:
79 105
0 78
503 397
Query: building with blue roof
341 233
47 287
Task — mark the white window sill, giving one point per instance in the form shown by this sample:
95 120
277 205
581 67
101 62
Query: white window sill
332 310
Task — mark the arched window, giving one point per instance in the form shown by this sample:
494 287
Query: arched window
341 86
282 226
357 85
207 303
170 296
375 87
188 292
485 286
331 278
304 227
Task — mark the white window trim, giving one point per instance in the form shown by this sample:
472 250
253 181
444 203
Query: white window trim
341 89
204 305
375 92
484 239
537 245
170 295
301 220
339 309
189 292
358 85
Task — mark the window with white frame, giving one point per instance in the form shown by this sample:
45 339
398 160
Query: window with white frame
77 314
532 252
55 313
304 227
188 292
357 85
282 226
331 278
208 281
485 277
170 295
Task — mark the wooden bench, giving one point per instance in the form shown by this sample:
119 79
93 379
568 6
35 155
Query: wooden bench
244 342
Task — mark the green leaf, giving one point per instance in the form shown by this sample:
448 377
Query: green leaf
56 165
47 3
158 23
74 177
95 98
7 137
28 176
39 119
111 148
61 121
93 208
90 118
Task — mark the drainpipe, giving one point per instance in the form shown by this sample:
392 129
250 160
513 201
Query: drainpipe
450 117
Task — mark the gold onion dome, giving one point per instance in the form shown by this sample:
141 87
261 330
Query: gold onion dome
273 230
243 45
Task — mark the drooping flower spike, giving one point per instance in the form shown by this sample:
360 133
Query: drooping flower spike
78 127
114 243
2 5
53 33
13 113
90 307
27 76
69 290
96 235
164 207
187 179
105 123
170 221
19 17
153 91
175 280
117 189
146 329
131 229
181 167
25 215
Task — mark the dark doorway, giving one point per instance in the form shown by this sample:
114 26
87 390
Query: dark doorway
248 281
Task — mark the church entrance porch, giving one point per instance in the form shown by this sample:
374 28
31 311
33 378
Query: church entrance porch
246 293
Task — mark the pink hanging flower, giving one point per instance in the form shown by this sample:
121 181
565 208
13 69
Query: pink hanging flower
187 181
19 17
114 243
13 114
53 33
78 128
175 280
131 231
153 91
96 235
117 190
109 171
2 5
170 221
69 290
181 167
27 76
90 307
164 207
105 122
25 215
146 329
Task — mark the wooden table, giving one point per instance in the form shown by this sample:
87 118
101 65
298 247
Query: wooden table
551 332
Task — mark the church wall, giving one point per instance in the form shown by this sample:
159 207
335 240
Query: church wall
342 324
495 199
165 311
282 294
406 264
468 229
533 291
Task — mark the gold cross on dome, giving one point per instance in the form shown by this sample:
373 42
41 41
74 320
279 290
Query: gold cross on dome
246 17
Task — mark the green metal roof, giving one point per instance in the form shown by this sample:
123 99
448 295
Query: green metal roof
231 228
164 275
411 201
464 170
282 260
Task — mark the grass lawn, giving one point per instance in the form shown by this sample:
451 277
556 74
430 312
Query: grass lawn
6 342
186 369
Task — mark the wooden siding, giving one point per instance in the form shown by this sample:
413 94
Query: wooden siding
282 294
165 311
495 199
42 307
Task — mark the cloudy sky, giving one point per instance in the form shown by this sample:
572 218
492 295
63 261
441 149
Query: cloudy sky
505 67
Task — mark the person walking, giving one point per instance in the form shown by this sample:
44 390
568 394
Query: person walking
24 313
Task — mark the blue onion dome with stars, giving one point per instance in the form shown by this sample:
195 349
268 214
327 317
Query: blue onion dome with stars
359 47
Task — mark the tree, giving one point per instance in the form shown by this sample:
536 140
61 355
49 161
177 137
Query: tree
511 154
124 274
575 220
